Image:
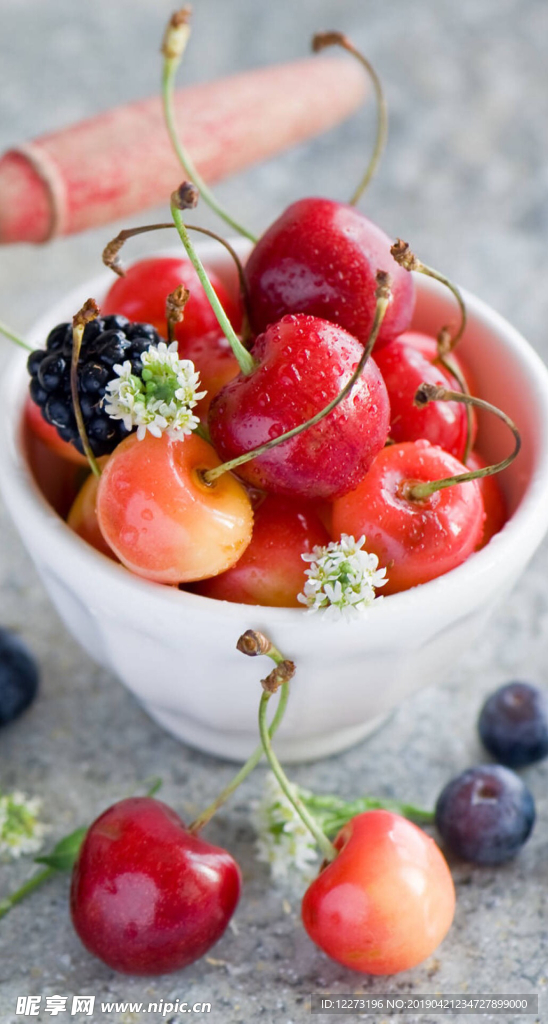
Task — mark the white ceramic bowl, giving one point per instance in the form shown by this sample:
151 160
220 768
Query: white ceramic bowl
176 651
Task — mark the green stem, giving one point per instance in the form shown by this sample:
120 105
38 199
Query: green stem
14 337
77 335
418 491
333 813
111 251
246 769
403 255
326 847
435 274
319 42
383 299
24 890
245 359
455 371
168 79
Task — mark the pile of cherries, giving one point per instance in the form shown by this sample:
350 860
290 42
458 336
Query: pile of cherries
309 306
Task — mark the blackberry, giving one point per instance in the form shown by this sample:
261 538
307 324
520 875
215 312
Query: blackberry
107 340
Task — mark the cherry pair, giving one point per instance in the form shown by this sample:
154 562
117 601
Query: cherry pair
149 895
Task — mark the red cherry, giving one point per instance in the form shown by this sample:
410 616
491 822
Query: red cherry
303 363
141 296
320 257
48 434
82 517
405 364
416 540
215 362
160 517
271 570
494 502
147 896
58 479
387 900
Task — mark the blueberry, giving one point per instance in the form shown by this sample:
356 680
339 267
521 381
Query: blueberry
18 677
485 815
513 724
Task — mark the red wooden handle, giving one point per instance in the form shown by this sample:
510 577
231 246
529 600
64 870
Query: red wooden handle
120 162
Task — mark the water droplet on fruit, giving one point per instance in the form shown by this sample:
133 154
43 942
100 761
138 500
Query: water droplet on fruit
129 535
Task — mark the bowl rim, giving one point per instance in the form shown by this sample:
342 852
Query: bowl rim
26 502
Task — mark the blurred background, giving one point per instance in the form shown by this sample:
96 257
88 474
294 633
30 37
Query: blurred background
465 175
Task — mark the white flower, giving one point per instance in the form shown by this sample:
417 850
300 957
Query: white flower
161 399
341 579
283 842
20 830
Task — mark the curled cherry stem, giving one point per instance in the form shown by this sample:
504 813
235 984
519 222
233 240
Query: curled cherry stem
407 259
174 45
319 42
455 371
243 357
326 846
88 312
383 296
110 252
14 337
420 491
260 646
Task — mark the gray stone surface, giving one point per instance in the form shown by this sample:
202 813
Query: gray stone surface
465 179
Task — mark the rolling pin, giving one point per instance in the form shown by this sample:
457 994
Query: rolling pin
121 161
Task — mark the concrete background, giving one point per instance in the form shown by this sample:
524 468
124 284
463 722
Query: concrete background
465 179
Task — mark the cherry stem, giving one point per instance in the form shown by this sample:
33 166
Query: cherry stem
417 491
319 42
383 296
324 844
24 890
246 769
407 259
88 313
175 310
243 357
333 813
251 643
110 252
14 337
173 47
452 368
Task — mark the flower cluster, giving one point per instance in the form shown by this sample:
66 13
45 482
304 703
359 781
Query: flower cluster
20 830
283 842
161 400
341 579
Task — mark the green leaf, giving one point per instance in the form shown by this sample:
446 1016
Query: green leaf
64 854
